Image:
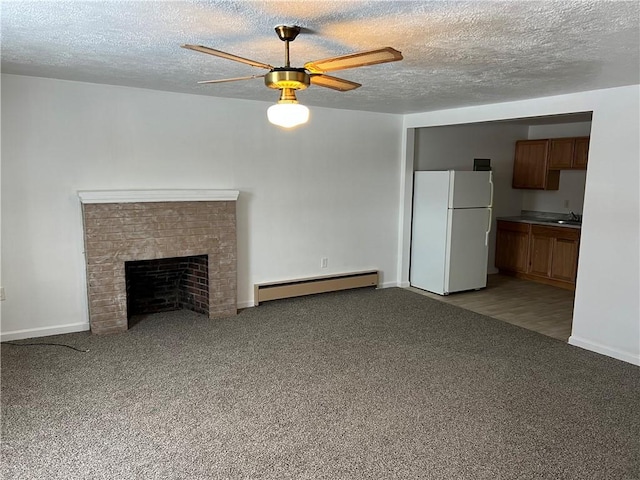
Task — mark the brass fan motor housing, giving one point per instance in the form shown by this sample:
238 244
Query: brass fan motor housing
293 78
287 33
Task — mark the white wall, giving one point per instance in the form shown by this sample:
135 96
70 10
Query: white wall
572 182
455 147
570 192
329 189
1 301
607 309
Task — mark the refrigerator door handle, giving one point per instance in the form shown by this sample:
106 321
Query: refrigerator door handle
486 236
491 184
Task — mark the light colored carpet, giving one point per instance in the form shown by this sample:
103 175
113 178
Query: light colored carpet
375 384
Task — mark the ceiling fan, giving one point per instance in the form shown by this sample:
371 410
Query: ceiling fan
288 112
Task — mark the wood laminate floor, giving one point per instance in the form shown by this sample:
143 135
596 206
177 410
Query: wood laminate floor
542 308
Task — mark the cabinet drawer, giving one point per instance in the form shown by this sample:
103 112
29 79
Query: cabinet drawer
556 232
513 226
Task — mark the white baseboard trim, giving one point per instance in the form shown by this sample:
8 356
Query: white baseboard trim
44 331
404 284
388 285
604 350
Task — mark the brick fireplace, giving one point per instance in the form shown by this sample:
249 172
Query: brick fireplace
124 228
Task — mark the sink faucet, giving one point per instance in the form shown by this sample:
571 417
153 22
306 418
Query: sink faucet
575 216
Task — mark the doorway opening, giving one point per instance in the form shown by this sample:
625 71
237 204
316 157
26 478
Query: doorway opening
539 306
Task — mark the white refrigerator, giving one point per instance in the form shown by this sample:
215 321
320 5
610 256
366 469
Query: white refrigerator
450 230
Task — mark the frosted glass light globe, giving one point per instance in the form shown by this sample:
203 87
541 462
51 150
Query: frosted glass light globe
288 115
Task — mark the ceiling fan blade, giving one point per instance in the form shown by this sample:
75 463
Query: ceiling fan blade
353 60
231 79
334 83
228 56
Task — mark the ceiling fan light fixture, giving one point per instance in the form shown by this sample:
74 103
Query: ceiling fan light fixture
288 113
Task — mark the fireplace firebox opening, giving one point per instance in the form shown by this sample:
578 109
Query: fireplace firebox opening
167 284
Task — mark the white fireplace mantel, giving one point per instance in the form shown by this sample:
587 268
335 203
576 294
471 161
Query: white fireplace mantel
135 196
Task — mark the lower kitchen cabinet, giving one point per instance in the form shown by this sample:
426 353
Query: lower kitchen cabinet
564 259
541 253
512 246
541 245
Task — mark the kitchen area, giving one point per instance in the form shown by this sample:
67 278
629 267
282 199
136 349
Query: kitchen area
538 168
537 245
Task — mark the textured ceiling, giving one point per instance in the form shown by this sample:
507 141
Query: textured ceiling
456 53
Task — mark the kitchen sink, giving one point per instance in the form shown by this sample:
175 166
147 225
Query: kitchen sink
568 222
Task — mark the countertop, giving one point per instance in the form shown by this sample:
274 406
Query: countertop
539 221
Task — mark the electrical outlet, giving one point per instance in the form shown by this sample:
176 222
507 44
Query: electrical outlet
324 262
1 294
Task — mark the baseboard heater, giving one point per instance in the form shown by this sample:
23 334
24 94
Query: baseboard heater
308 286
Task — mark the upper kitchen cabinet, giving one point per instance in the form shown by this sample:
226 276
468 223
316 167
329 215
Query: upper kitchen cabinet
561 152
568 153
581 153
531 166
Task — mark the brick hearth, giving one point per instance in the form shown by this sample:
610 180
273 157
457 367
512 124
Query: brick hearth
129 226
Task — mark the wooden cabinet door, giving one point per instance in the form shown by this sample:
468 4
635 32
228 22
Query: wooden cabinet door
540 248
512 246
554 252
561 153
530 164
564 263
581 153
